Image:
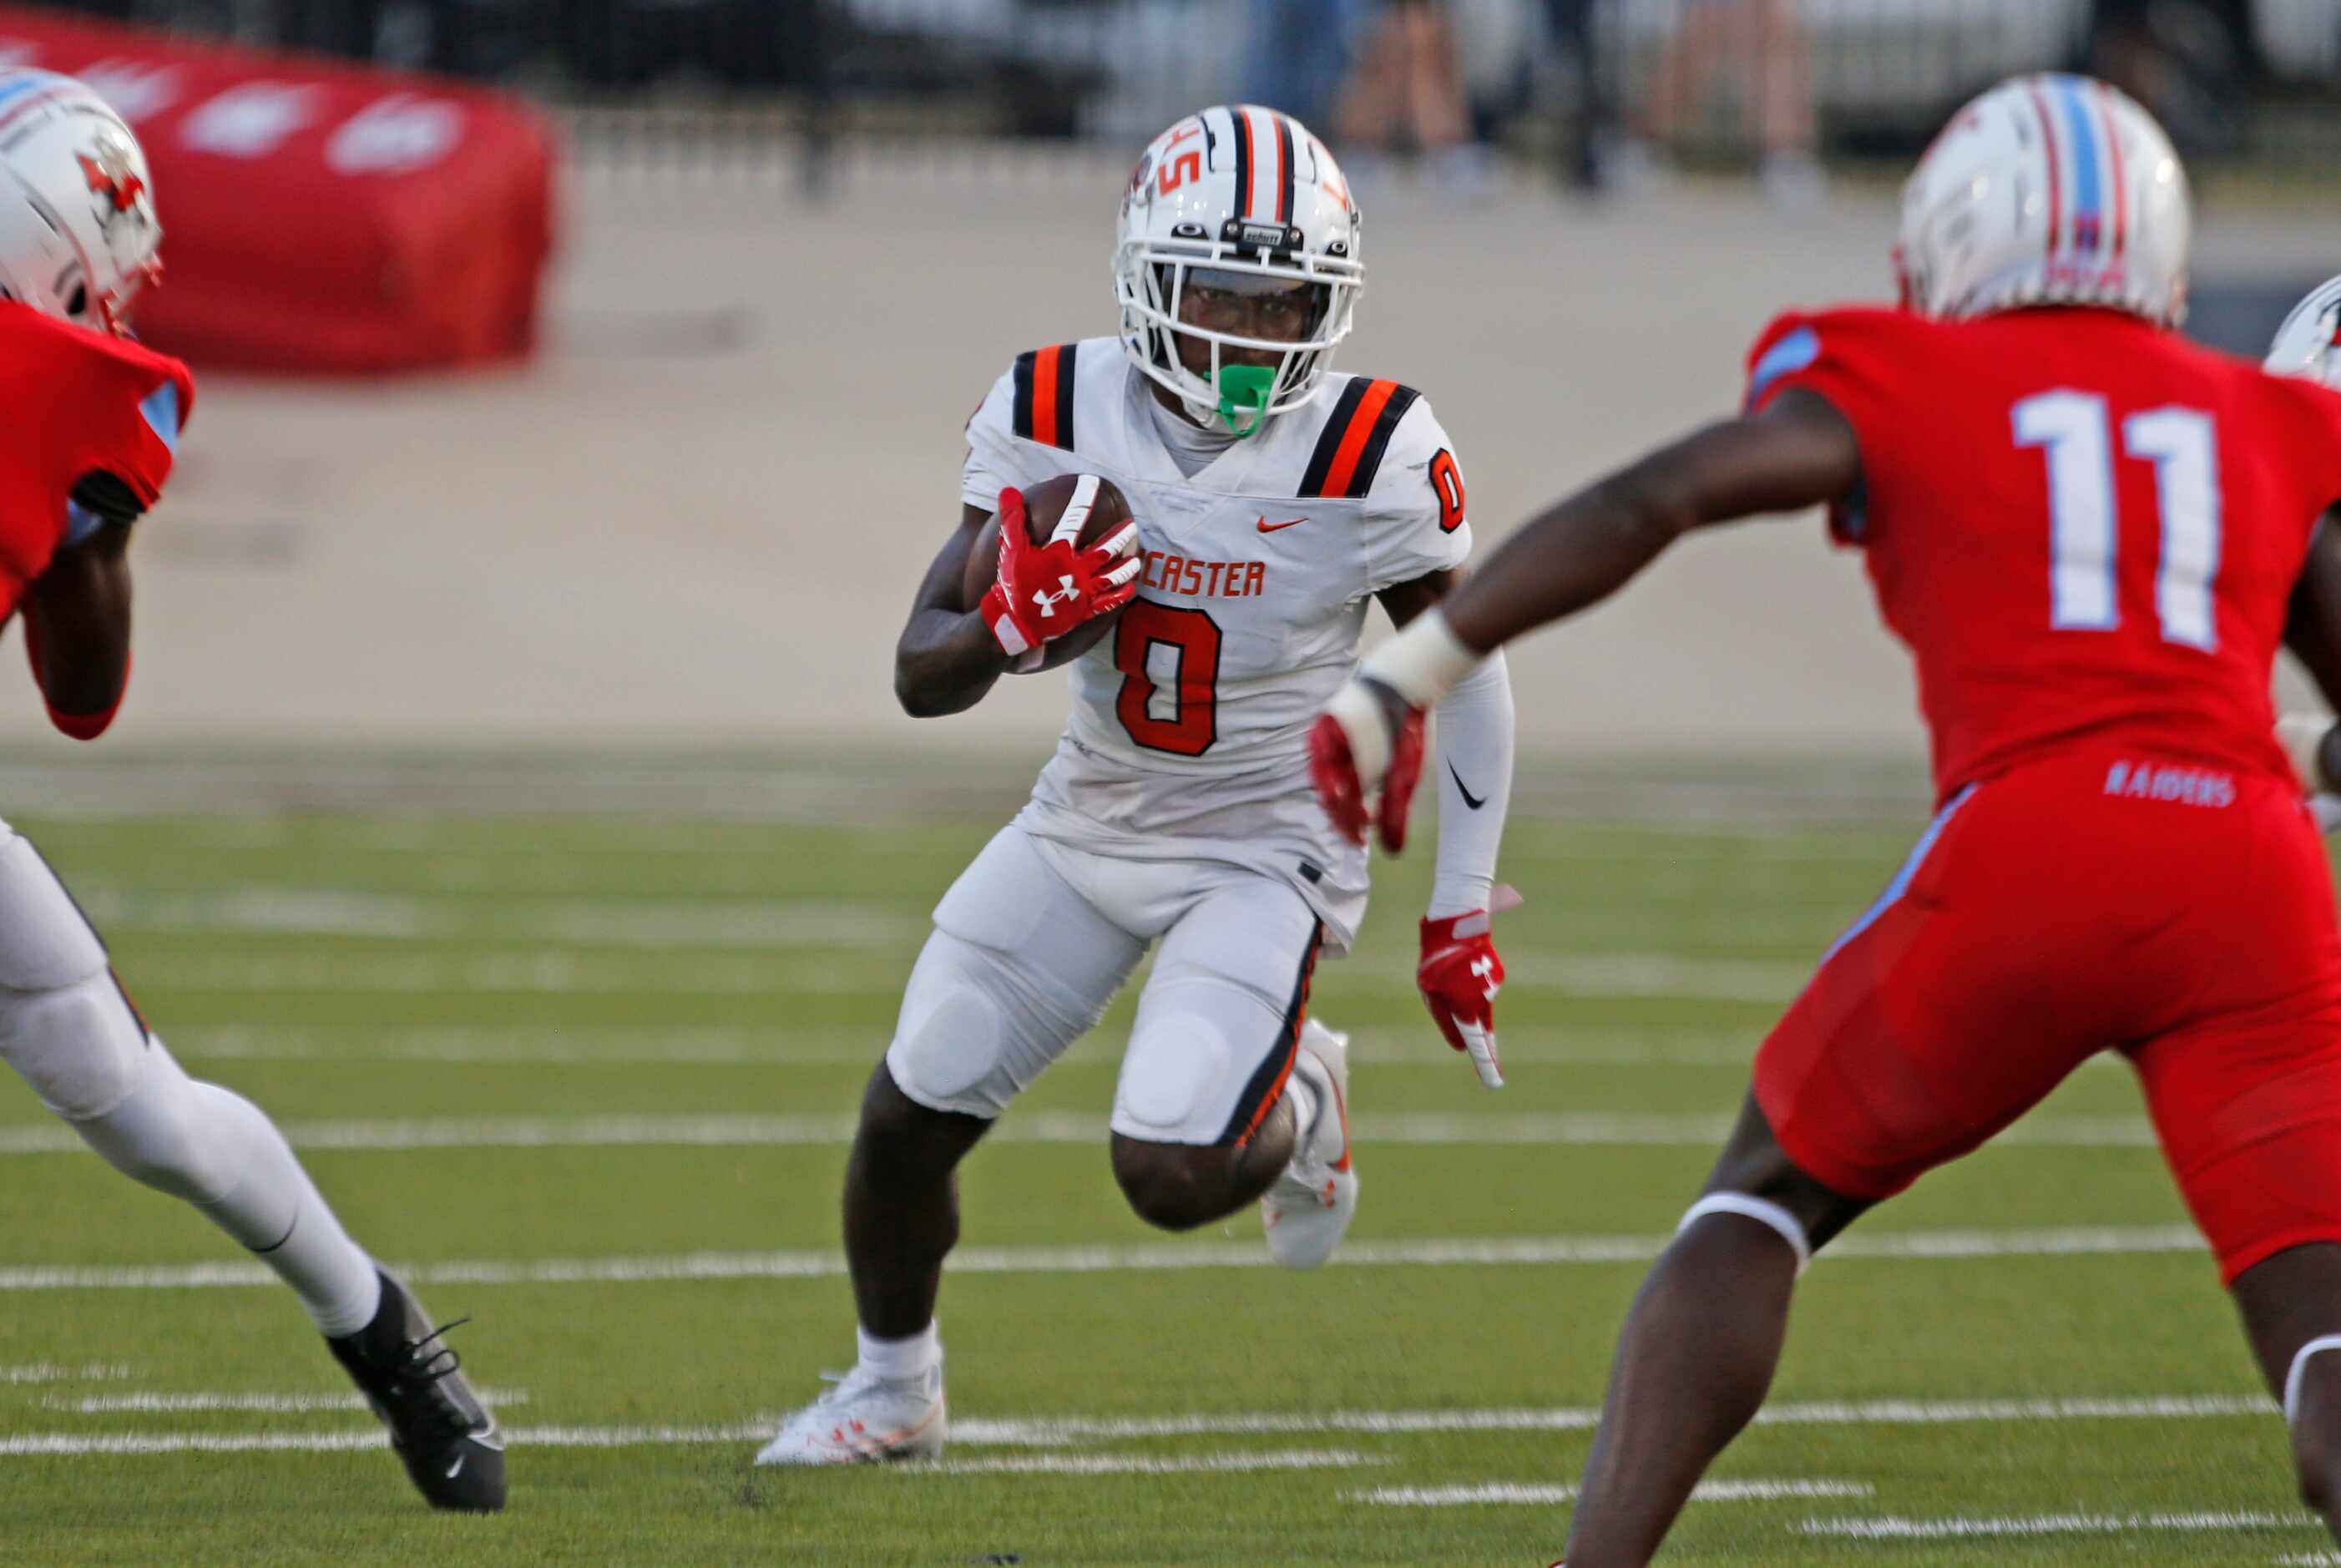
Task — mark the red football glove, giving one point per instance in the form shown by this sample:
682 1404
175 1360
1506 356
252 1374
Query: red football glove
1367 735
1459 975
1045 591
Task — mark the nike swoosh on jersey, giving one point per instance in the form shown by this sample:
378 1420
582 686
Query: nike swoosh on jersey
1474 802
1268 527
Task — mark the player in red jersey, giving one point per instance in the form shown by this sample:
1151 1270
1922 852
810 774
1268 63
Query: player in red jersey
93 421
2093 536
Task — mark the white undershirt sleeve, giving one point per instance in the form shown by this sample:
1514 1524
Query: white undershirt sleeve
1474 761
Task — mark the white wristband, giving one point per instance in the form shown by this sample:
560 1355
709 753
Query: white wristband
1422 663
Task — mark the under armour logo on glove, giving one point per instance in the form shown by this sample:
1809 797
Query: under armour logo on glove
1487 968
1088 583
1068 593
1460 975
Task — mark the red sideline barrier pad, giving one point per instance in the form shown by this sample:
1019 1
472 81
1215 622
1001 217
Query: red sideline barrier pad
318 216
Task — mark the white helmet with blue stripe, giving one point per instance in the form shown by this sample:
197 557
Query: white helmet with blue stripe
2309 341
2048 190
78 234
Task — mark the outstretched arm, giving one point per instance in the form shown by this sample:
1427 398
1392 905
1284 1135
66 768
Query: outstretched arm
1797 452
1800 451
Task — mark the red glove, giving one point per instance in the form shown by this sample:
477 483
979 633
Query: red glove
1045 591
1367 735
1460 975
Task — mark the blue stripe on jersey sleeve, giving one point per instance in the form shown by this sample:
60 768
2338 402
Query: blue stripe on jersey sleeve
161 411
1790 355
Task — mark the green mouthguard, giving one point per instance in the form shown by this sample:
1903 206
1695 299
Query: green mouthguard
1243 396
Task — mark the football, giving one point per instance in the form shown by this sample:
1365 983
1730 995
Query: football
1044 504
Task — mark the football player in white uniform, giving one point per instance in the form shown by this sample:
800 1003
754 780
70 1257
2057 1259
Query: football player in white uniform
1273 499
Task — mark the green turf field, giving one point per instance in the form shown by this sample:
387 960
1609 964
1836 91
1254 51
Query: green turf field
589 1078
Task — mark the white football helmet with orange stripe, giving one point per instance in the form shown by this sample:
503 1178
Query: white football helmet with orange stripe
2309 341
2048 190
1245 191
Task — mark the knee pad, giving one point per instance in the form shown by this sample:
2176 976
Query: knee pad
948 1047
1172 1069
955 1044
1763 1211
46 941
81 1046
171 1132
65 1025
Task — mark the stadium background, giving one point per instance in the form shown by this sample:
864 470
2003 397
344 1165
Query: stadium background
736 449
455 670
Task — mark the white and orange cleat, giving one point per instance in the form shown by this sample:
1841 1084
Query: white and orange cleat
1309 1210
865 1418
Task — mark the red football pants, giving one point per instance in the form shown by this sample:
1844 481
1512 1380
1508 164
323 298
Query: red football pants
2183 915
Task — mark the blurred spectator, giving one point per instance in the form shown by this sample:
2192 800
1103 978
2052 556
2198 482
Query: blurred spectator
2189 61
1593 115
1295 51
1760 36
1405 96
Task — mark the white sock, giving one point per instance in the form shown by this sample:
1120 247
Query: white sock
896 1359
1301 1090
222 1153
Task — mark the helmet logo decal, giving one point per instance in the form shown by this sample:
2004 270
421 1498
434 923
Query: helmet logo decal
111 178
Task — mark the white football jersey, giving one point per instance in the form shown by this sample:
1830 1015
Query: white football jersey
1188 733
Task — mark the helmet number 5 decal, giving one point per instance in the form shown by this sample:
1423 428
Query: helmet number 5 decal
1169 662
1447 480
1178 170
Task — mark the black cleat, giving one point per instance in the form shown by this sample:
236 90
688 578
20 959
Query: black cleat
446 1436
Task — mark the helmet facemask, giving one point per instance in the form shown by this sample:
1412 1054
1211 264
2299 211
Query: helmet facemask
1153 281
2309 342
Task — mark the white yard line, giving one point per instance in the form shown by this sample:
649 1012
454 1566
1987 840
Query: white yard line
1893 1527
1146 1465
722 922
550 969
50 1371
1057 1432
531 971
1072 1431
1529 1493
1494 1252
776 1044
1583 1129
134 1443
149 1403
26 1444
